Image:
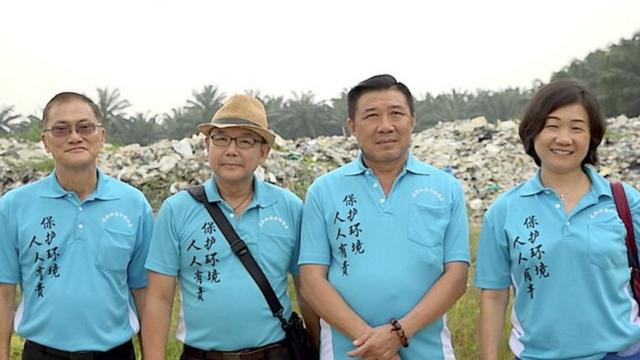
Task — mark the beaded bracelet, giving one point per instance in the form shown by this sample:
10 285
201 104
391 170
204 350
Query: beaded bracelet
397 328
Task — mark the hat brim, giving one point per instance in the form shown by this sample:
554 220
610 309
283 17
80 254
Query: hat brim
268 136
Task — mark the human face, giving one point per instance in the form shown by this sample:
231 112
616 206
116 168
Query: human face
231 164
382 127
74 151
564 140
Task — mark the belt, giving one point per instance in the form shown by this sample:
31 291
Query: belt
275 350
75 355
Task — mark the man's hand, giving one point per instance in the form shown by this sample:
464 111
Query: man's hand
379 343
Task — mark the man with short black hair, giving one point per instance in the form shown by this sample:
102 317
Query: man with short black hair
75 241
384 250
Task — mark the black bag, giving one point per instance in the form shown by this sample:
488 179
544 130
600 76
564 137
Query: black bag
298 339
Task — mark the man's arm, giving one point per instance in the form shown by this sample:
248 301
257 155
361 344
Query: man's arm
7 304
327 303
493 306
156 316
311 319
383 342
138 299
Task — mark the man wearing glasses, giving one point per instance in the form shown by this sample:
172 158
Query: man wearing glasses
75 241
223 314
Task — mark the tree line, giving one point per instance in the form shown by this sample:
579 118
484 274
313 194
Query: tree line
613 74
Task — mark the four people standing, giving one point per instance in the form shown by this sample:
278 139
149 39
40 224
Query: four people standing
382 245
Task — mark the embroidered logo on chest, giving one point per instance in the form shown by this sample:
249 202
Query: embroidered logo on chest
427 190
599 212
117 215
273 218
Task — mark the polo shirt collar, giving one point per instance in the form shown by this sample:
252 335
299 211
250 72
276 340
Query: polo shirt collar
532 186
262 197
599 185
412 165
103 190
356 166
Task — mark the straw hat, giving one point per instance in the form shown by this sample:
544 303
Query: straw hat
241 111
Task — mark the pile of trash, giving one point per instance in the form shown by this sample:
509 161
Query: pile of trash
486 157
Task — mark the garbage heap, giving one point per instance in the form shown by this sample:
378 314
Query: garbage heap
486 157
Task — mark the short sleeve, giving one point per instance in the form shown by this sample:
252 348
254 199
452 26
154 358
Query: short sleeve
164 249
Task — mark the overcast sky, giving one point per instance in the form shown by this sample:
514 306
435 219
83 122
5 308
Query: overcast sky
156 52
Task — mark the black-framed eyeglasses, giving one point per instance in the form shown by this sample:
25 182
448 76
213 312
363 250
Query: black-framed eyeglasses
83 128
243 142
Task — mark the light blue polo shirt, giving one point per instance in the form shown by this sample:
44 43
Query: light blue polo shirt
569 272
221 306
385 253
75 261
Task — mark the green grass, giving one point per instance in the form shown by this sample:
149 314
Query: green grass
462 322
463 317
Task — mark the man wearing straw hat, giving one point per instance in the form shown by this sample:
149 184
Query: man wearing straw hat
223 314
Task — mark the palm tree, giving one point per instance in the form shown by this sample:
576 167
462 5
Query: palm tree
206 102
504 104
444 107
7 123
338 111
425 118
453 106
179 123
302 116
274 105
144 129
29 130
141 128
111 105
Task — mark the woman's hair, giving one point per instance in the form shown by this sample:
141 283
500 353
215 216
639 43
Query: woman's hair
553 96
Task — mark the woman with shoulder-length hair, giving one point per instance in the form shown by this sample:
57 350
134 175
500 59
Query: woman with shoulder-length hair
558 241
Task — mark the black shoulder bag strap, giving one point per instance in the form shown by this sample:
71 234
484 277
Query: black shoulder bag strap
239 247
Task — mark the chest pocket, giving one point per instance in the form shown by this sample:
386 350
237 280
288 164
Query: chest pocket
606 245
274 253
427 224
114 250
